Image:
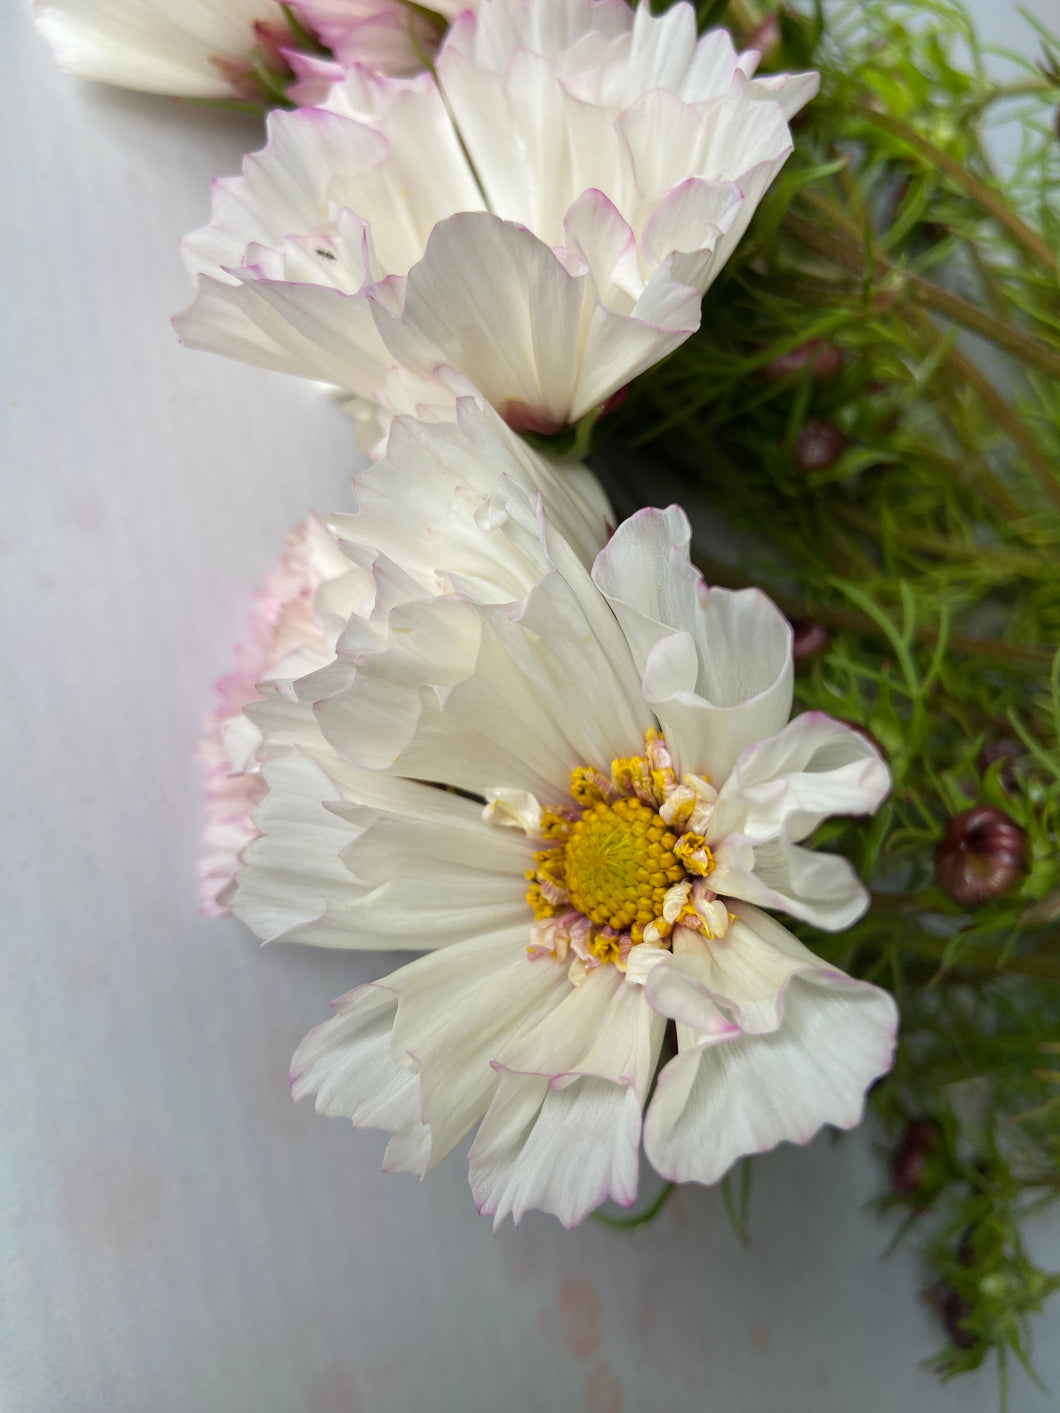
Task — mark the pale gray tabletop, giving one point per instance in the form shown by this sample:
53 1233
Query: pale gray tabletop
176 1236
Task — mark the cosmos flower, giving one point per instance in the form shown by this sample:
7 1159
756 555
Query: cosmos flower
624 795
315 588
542 215
226 48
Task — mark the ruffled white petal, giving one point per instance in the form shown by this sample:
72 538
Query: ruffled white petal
788 784
412 1053
493 300
563 1131
745 974
293 886
722 1098
550 686
716 664
348 1064
809 884
289 328
348 858
444 486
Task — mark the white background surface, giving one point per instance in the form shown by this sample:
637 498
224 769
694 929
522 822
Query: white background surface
177 1237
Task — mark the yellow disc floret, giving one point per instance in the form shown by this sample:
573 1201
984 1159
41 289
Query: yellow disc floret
607 877
619 864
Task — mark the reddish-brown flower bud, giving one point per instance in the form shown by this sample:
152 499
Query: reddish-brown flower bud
910 1161
819 445
953 1310
824 360
809 640
983 853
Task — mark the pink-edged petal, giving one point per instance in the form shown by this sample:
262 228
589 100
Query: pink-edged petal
563 1131
817 887
719 1100
689 221
283 190
744 973
619 347
293 886
412 1053
788 784
596 229
716 664
315 76
305 329
493 300
382 34
791 91
456 1015
347 1063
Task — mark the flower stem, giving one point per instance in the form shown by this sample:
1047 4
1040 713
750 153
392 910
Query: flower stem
637 1219
852 257
989 200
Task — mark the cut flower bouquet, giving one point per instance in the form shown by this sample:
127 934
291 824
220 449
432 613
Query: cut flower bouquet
569 266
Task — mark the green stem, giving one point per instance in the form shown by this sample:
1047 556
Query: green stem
1037 967
1002 560
852 257
637 1219
929 296
1009 420
989 200
305 39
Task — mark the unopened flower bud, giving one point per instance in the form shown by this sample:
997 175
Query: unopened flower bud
824 360
819 445
809 640
911 1160
983 853
953 1310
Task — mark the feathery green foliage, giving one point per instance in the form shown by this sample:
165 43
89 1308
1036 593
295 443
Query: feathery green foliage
898 485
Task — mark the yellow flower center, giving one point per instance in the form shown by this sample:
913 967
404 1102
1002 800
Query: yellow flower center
614 860
619 862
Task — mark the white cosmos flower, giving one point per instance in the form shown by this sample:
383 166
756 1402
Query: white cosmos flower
543 216
645 796
206 48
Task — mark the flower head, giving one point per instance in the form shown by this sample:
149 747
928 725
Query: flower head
624 797
543 215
